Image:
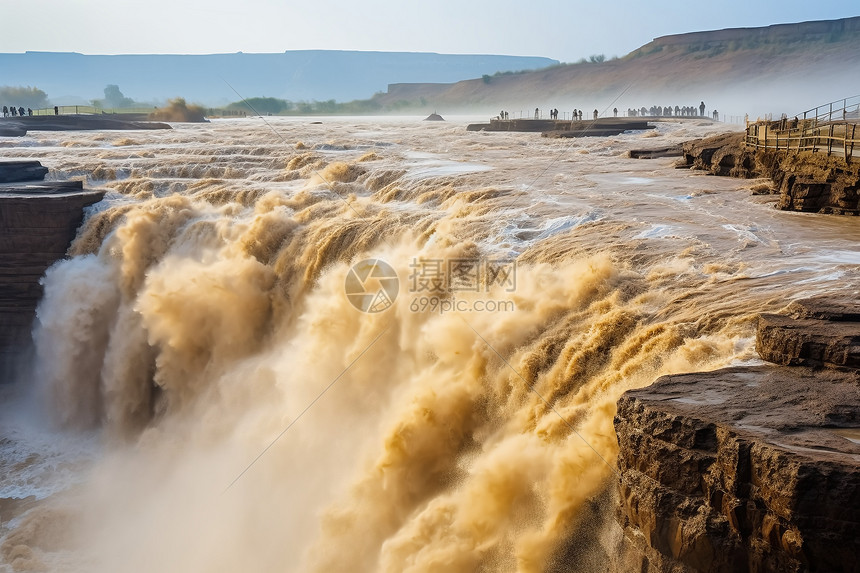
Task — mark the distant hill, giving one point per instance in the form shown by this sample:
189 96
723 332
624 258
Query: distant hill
781 68
294 75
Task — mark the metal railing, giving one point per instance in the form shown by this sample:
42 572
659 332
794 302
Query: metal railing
90 110
841 109
805 135
93 110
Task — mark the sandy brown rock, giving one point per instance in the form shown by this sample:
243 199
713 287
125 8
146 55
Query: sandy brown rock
826 308
808 341
805 181
38 221
741 469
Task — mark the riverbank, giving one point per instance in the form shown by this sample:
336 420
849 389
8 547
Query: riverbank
806 182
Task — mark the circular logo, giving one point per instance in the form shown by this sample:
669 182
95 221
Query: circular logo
371 285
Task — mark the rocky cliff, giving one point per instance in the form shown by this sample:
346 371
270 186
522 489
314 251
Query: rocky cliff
38 221
749 468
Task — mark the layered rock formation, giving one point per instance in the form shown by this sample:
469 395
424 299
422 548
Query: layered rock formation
749 468
805 181
38 221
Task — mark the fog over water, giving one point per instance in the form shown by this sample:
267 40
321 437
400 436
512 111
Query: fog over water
205 396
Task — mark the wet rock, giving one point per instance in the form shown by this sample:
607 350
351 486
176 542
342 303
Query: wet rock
672 151
808 341
38 221
741 469
822 331
723 155
15 171
826 308
811 182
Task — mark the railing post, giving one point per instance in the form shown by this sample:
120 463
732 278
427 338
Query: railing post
853 128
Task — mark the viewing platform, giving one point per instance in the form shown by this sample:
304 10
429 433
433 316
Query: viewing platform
829 130
600 127
17 126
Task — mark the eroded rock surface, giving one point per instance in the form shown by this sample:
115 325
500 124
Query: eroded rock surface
38 221
804 181
749 468
742 469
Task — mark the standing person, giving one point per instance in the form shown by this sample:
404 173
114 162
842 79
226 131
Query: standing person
21 110
702 109
595 114
537 112
5 111
615 112
29 112
56 110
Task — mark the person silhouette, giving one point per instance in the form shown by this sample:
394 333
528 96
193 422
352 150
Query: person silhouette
702 109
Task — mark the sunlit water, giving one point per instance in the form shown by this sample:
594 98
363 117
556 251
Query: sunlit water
205 397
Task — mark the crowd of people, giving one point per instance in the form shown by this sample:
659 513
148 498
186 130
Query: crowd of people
653 111
19 111
12 111
669 111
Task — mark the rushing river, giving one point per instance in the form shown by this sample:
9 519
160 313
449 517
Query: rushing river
372 344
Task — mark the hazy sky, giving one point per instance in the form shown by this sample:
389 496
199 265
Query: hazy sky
563 30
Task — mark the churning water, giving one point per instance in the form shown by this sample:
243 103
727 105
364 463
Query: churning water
212 397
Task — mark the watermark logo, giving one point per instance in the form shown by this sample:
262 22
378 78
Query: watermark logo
436 285
371 285
447 276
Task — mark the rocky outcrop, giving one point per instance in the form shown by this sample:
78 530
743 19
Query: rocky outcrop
805 181
38 221
15 171
723 155
748 468
808 341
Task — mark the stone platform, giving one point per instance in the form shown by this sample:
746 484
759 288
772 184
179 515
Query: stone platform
601 127
19 126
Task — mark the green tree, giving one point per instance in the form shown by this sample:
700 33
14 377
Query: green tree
262 105
20 96
115 98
